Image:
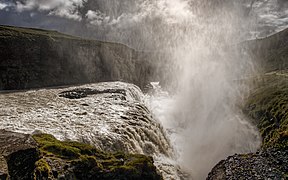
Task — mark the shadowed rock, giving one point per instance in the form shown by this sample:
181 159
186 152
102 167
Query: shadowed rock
18 153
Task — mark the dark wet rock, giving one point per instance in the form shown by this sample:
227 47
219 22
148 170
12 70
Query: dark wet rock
18 154
81 93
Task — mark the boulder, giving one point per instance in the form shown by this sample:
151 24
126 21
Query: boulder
18 154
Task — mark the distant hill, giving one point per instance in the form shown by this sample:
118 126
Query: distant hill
271 53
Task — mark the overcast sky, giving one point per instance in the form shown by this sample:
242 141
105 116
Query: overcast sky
116 20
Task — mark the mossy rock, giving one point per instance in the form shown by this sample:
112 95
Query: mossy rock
42 168
84 161
268 107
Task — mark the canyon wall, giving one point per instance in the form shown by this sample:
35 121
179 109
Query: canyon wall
34 58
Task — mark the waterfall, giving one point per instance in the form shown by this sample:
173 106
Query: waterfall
202 116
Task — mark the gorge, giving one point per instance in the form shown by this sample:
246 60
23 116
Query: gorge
210 90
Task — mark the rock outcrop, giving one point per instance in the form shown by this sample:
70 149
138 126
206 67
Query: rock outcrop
35 58
42 156
74 160
18 154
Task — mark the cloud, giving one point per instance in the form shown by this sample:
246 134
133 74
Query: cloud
96 17
62 8
3 5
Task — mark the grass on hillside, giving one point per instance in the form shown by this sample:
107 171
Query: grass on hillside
268 106
10 31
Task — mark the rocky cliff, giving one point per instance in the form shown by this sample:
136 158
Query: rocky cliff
34 58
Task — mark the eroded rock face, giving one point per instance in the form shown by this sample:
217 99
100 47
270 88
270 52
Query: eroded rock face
18 154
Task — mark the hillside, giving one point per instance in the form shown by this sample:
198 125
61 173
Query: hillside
271 53
267 108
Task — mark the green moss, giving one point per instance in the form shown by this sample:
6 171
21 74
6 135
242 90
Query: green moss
49 144
89 163
268 106
42 168
65 149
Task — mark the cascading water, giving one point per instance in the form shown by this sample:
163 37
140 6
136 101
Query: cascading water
204 117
